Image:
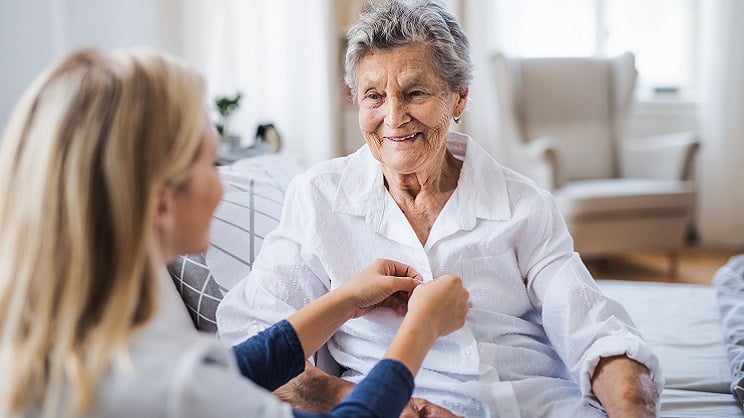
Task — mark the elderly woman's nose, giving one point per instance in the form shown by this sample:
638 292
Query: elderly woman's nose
396 113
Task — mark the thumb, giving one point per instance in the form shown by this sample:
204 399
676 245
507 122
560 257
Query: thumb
405 284
396 268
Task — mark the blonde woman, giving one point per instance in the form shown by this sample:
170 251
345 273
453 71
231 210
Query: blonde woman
106 173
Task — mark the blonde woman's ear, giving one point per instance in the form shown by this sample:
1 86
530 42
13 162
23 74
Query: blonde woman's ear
164 200
165 222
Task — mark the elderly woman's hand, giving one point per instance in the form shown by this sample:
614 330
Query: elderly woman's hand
625 387
421 408
383 283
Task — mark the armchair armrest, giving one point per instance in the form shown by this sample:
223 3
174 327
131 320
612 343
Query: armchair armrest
539 159
662 157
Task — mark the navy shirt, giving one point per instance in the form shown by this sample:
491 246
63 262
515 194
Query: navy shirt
275 356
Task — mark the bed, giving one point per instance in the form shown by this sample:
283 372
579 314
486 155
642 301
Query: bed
681 322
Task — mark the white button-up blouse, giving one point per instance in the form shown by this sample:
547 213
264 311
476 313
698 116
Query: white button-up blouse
538 325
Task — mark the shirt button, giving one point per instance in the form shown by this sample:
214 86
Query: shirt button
469 351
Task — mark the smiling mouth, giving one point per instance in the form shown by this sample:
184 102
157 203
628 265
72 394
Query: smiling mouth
401 138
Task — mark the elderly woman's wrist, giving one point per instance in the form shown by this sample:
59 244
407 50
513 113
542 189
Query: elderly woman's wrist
632 409
624 387
314 390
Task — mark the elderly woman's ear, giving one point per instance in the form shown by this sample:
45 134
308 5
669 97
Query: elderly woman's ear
462 102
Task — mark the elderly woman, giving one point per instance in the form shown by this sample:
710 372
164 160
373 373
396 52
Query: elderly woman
540 339
106 173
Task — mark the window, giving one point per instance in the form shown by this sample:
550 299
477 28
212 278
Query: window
661 33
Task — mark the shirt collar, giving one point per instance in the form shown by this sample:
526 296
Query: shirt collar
481 190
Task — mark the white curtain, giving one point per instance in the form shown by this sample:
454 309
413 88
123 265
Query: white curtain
479 119
35 33
281 55
721 168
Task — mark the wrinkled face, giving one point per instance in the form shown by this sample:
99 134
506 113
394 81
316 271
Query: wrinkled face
405 107
194 203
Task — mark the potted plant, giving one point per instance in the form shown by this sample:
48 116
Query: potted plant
226 106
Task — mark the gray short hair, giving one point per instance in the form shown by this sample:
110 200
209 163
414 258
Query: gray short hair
401 22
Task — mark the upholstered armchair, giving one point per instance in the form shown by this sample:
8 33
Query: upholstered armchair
564 123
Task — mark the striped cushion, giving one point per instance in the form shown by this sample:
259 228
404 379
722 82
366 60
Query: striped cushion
251 207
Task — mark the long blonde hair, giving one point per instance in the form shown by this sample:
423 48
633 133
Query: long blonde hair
81 161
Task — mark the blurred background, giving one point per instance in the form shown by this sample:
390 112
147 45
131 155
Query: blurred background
285 57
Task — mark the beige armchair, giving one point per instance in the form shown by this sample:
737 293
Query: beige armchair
564 122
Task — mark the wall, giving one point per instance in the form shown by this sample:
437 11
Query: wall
652 118
722 123
33 33
26 46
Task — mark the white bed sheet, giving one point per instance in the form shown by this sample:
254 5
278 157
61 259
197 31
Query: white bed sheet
680 322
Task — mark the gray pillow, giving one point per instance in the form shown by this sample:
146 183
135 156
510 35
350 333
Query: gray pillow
250 208
729 285
199 291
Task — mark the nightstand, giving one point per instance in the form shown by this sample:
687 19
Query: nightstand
267 141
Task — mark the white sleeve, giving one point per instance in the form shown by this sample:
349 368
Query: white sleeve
583 324
284 278
208 384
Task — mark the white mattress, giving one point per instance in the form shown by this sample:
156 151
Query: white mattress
681 324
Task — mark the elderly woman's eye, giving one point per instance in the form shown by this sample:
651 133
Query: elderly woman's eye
417 94
374 96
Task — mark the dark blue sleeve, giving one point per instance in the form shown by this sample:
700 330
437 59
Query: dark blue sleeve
383 393
272 357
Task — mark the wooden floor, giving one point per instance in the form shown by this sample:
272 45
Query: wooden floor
695 265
